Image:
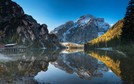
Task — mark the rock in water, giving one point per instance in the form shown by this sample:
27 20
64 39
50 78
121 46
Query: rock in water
18 27
86 28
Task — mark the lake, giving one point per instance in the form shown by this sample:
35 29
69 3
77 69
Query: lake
67 67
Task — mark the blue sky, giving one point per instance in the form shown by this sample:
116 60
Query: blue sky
56 12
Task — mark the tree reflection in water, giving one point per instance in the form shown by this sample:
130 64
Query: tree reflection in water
121 63
23 67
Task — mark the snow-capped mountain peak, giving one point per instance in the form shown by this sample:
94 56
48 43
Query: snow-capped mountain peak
85 19
86 28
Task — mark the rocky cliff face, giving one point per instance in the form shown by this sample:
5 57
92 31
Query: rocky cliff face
18 27
86 28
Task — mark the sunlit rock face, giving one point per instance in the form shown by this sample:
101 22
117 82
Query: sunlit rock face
18 27
84 66
86 28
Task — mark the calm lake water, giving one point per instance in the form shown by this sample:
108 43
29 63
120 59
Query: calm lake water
56 67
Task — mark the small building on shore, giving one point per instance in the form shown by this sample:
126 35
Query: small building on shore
10 45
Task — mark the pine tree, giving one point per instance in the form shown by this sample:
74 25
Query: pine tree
128 27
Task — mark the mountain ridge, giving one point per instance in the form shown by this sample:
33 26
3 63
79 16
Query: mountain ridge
111 38
86 28
23 29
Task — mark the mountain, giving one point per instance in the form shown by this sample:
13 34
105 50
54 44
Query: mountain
110 38
18 27
86 28
121 35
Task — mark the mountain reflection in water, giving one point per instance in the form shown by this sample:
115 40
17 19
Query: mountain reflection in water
53 67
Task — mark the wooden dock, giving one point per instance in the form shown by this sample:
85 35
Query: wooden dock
13 49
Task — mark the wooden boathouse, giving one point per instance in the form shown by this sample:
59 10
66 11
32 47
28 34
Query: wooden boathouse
12 48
